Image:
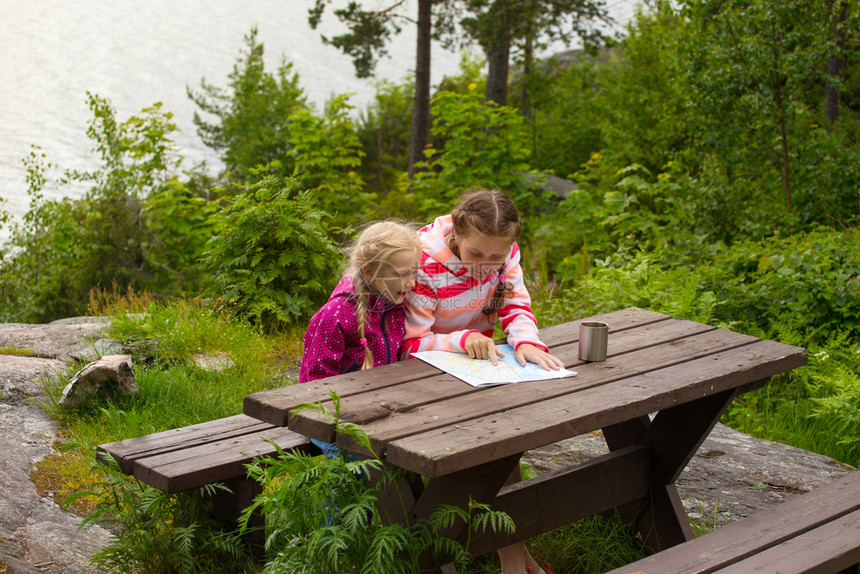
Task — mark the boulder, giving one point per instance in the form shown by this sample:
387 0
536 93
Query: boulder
100 348
104 377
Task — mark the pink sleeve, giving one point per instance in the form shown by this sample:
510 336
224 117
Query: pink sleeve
518 320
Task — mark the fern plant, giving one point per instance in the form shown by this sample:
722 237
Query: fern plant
159 533
323 516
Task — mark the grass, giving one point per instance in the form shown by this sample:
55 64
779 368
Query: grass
174 391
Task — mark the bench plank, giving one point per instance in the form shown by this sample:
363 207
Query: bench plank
828 549
217 461
744 538
273 406
445 450
127 451
591 375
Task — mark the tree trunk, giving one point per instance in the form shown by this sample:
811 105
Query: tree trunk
835 63
783 130
525 88
498 67
497 72
497 45
421 105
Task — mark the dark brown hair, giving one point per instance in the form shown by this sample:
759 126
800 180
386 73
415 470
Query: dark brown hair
491 213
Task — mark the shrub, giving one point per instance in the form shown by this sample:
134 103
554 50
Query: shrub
64 248
327 152
483 144
158 532
808 283
270 254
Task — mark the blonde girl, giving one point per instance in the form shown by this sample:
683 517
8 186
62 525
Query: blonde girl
362 324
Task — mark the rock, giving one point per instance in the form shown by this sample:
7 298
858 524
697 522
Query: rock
100 378
216 363
35 534
53 340
98 349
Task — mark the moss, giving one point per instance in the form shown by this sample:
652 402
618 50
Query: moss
59 476
20 352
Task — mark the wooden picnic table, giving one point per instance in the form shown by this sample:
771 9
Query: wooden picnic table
663 387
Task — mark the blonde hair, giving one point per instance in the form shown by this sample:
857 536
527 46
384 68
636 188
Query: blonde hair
487 212
375 246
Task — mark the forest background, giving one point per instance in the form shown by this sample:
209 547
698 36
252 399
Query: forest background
714 160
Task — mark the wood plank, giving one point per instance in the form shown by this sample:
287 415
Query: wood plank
275 405
566 333
766 529
464 409
828 549
214 462
622 477
445 450
381 403
129 450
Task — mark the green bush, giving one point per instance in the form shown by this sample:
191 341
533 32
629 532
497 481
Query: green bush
63 248
483 144
160 533
270 254
807 283
327 153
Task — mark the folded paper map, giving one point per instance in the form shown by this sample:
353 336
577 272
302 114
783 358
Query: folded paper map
482 373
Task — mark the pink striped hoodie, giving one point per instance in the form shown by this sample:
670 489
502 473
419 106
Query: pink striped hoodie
447 301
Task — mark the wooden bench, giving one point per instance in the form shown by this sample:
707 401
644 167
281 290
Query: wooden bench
818 532
211 452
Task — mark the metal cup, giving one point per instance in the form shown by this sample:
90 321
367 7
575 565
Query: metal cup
593 337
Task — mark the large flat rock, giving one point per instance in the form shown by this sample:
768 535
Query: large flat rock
35 534
53 340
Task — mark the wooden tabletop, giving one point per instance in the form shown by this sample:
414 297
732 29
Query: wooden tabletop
424 420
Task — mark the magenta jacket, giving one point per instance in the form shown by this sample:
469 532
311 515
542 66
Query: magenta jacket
332 345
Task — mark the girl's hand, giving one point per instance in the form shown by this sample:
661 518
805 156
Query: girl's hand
536 355
479 346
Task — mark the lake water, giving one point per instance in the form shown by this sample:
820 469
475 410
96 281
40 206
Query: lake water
136 53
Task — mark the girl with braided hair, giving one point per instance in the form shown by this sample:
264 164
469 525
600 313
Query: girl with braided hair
362 324
470 278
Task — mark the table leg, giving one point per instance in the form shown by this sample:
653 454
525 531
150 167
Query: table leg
480 483
673 437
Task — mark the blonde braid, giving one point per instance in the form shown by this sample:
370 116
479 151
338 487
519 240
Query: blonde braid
361 311
375 246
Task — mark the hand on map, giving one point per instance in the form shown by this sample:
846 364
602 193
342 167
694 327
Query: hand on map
536 355
479 346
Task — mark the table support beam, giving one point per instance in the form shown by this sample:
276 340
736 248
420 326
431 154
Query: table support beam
673 437
568 495
481 484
